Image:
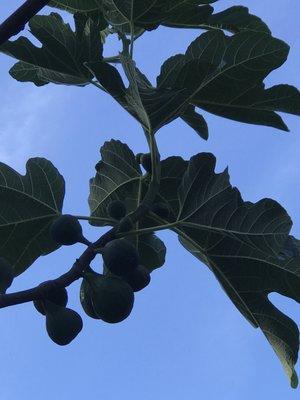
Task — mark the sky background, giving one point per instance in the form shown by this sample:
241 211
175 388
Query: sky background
184 339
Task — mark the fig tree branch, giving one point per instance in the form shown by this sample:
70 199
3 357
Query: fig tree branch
16 22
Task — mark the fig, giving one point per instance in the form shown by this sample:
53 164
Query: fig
86 299
111 297
66 230
6 275
116 209
62 324
139 278
56 296
120 257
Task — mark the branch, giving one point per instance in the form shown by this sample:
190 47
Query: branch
17 21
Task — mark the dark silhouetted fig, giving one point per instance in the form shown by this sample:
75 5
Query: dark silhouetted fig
138 279
161 209
116 209
56 296
6 275
86 299
62 324
120 257
67 230
112 297
146 162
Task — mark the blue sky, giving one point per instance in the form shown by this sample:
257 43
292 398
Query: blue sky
184 339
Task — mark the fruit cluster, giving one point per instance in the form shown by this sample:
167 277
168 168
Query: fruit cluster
108 296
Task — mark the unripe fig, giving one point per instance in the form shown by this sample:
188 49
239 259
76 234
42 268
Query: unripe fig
161 209
62 324
138 279
116 209
112 297
56 296
66 230
120 257
86 299
6 275
146 162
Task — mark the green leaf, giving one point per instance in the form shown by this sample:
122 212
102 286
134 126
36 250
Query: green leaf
195 121
118 177
246 245
248 277
210 208
152 107
224 75
179 14
235 19
151 249
63 53
185 13
28 205
149 14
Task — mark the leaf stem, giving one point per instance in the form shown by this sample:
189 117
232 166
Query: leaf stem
151 229
97 84
96 219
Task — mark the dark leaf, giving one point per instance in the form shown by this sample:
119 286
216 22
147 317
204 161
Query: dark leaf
118 177
62 55
245 245
152 107
236 19
151 249
195 121
29 204
224 75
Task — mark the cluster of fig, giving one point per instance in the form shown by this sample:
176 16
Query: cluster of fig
110 296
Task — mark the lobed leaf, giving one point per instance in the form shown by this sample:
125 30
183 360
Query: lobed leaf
63 53
224 75
119 177
28 206
152 107
246 245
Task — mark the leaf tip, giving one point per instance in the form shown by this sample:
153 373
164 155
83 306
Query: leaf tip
294 380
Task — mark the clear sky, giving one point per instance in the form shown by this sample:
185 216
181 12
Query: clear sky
184 339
